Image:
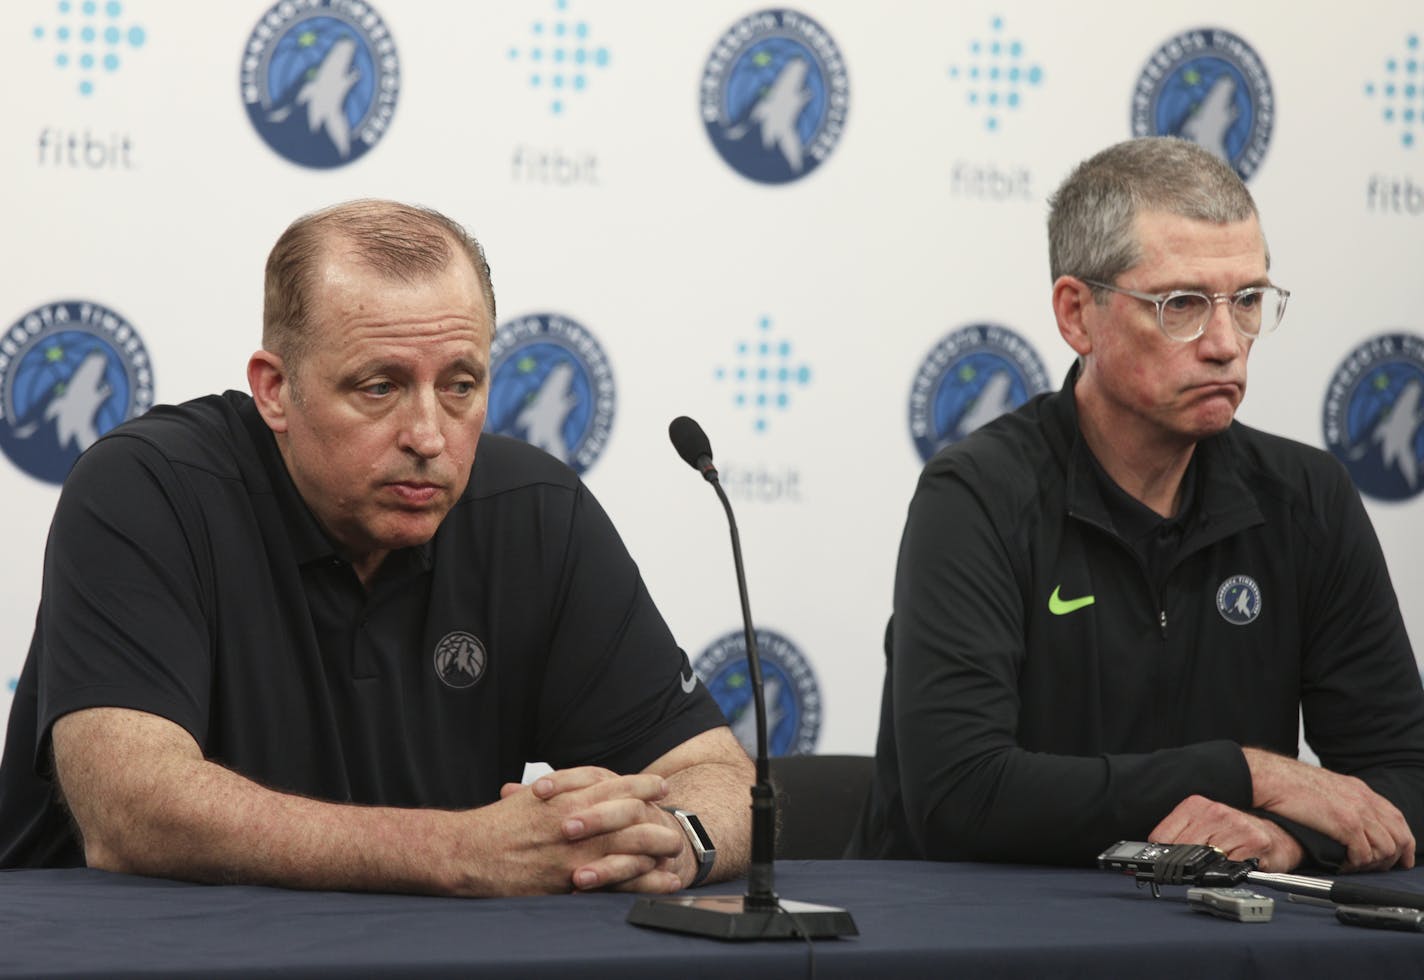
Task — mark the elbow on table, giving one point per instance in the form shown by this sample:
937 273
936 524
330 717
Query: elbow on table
102 856
949 829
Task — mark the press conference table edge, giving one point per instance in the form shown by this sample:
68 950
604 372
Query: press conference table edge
914 918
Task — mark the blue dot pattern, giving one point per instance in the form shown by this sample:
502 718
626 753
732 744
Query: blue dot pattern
78 29
764 375
559 56
996 75
1400 92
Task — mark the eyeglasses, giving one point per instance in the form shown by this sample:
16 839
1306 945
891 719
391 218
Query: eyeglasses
1183 314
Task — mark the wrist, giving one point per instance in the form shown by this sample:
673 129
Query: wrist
699 846
1264 767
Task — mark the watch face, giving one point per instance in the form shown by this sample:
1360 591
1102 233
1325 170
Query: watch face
699 830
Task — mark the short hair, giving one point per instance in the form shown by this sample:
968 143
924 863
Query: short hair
1092 217
398 241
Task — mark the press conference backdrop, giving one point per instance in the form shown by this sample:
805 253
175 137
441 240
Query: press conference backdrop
818 229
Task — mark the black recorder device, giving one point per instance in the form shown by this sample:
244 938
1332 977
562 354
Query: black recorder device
1175 864
1219 881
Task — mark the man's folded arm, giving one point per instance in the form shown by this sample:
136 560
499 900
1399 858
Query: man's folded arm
970 791
145 801
711 775
708 774
1361 697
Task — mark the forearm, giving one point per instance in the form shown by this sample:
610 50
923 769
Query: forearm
711 791
146 802
717 788
198 821
1014 805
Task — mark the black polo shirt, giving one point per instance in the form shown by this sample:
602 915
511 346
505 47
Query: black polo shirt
185 577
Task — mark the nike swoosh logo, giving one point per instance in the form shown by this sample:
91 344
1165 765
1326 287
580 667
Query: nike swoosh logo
1062 607
688 682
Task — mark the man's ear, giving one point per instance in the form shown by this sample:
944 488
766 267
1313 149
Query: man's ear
1072 298
271 388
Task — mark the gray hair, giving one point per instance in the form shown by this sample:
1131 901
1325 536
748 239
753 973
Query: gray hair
398 241
1092 216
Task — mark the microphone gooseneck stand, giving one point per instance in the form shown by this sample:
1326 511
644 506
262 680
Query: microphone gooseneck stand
759 914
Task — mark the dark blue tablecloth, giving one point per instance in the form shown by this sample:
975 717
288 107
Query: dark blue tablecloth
915 920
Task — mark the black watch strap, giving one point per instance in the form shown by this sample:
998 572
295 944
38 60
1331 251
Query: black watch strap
699 840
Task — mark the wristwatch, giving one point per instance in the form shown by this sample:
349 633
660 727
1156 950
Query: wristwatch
701 842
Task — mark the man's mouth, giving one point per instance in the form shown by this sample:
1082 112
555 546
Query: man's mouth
415 493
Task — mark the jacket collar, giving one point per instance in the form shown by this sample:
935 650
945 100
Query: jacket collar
1224 502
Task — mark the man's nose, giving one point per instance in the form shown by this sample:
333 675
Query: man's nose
421 432
1220 339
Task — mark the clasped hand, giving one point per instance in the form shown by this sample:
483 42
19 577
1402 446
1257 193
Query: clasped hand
589 828
1371 828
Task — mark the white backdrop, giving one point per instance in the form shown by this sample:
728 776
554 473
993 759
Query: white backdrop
134 179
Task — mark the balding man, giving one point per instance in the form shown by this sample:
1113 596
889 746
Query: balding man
306 638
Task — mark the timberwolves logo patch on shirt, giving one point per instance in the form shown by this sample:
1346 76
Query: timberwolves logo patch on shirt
1374 415
320 80
1239 600
551 386
972 376
1208 86
793 698
69 372
460 659
774 96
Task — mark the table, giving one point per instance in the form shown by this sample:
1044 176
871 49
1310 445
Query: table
915 920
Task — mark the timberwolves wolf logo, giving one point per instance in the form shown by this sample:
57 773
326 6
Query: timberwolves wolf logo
793 698
69 372
552 387
1210 87
1374 416
460 659
971 377
1239 600
320 80
774 96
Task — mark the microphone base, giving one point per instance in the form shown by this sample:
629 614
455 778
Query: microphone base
732 917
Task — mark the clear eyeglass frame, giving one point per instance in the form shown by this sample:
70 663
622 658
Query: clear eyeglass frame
1188 322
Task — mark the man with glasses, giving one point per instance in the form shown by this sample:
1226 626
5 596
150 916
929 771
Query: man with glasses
1113 606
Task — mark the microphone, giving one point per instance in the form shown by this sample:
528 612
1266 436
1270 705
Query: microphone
691 444
759 914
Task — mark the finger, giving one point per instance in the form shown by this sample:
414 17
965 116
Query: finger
612 870
1385 837
1187 822
569 780
1250 842
607 817
640 788
651 840
509 789
1382 850
1359 851
1398 829
1169 831
1393 829
652 883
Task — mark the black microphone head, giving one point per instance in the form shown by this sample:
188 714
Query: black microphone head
690 441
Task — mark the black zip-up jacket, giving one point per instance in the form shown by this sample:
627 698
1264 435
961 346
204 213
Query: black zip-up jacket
1022 722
